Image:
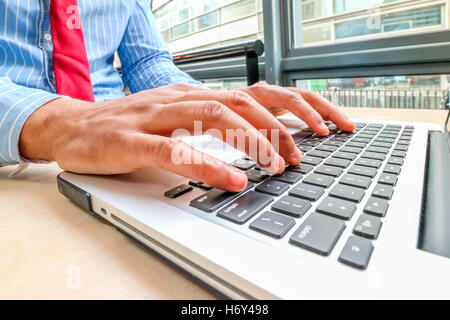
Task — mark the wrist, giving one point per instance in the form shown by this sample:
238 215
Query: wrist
45 125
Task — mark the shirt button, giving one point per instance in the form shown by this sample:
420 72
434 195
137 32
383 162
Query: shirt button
48 36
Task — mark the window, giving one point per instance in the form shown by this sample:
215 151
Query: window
237 10
194 25
205 21
320 22
414 92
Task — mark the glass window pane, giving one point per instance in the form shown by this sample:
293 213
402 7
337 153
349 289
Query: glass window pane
319 22
414 92
237 10
312 9
205 21
390 22
180 30
317 34
194 25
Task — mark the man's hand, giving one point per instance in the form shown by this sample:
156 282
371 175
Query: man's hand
134 132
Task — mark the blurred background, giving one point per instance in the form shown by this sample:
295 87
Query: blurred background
324 27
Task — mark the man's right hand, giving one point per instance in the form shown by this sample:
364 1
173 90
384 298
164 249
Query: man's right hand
134 132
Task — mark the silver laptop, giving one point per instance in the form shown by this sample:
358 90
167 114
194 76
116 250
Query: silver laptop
365 215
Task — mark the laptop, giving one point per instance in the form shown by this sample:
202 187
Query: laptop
366 215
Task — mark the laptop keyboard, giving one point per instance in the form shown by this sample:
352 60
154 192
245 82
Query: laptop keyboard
277 203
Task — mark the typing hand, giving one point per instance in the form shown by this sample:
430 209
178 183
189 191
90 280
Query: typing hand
307 105
134 132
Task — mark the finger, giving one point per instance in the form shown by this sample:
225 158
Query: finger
221 122
258 116
274 97
327 110
178 157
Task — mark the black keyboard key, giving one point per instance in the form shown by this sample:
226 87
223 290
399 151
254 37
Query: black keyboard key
307 191
272 224
398 153
288 177
305 148
389 179
245 207
309 143
396 160
403 143
356 181
319 180
401 148
195 183
256 175
393 169
329 170
327 148
367 226
383 191
319 154
292 206
381 144
356 144
337 208
335 143
178 191
356 252
374 156
368 163
387 140
311 160
272 187
205 186
347 193
200 185
243 164
335 162
344 155
302 168
339 138
350 149
362 140
388 135
318 233
363 171
301 135
376 206
216 198
377 149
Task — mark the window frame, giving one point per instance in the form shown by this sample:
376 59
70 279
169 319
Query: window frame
418 53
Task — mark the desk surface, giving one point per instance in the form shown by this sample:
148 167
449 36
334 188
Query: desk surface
51 249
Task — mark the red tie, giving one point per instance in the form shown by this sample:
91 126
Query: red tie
70 60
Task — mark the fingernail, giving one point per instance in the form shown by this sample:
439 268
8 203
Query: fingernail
296 157
238 178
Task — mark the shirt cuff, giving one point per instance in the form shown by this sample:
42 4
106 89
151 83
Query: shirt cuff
15 109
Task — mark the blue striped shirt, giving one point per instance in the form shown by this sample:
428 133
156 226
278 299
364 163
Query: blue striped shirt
27 79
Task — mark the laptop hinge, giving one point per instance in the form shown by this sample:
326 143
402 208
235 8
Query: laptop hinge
434 233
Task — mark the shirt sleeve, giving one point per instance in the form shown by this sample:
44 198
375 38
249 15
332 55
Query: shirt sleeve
17 103
144 55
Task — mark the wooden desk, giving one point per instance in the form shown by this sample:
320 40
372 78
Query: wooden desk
45 241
